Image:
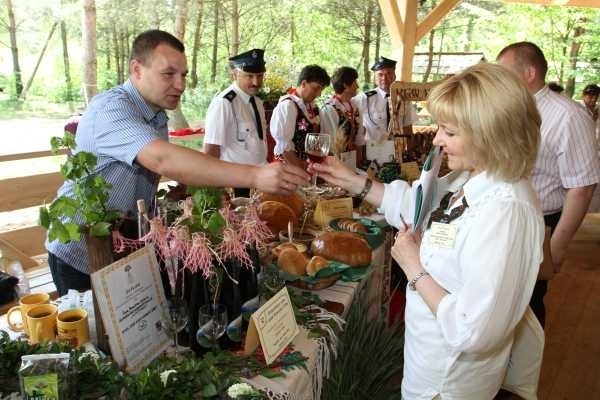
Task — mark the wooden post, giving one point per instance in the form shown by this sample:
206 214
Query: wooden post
99 256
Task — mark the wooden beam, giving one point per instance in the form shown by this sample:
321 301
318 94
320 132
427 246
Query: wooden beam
28 191
434 16
393 21
572 3
404 53
33 154
11 253
28 241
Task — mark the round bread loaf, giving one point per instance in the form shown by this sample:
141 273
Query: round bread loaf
316 264
346 247
276 215
295 201
292 261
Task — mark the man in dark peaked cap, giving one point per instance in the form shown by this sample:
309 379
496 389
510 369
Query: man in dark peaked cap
235 120
374 104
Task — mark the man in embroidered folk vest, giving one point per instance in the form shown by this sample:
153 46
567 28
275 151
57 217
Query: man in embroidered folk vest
374 104
340 116
296 114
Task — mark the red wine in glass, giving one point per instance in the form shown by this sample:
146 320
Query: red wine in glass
315 157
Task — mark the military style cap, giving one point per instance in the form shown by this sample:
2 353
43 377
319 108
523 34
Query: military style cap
592 89
251 61
383 62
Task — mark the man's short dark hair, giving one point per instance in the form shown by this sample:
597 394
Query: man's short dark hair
342 77
314 73
555 87
147 41
592 89
527 53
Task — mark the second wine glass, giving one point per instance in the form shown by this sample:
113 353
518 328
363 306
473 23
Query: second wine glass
316 146
212 319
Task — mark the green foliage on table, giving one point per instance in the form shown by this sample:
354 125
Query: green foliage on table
370 358
90 201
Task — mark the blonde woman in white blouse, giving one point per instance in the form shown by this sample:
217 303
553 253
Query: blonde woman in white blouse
472 274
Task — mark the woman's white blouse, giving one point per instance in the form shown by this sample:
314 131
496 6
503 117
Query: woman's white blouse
489 274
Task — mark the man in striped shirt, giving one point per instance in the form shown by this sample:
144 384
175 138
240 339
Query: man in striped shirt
126 128
567 168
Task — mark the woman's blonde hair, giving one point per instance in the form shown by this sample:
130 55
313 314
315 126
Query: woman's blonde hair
494 110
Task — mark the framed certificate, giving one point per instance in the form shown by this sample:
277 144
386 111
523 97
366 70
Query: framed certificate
132 304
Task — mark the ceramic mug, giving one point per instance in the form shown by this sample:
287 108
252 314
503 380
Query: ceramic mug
26 303
72 326
41 321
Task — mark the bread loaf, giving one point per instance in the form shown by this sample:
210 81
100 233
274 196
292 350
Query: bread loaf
348 248
276 215
295 201
292 261
351 225
316 264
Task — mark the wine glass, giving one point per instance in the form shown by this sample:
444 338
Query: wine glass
316 146
175 319
212 319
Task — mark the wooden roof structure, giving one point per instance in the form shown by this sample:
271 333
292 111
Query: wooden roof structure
405 31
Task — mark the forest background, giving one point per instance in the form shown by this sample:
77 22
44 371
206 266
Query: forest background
49 48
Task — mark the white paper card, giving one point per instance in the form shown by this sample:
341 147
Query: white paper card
132 304
381 151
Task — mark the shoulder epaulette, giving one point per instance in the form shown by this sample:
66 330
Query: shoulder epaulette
230 95
371 93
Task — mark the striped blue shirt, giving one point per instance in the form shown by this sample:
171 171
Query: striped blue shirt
116 125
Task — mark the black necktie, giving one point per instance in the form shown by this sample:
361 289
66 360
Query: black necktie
257 118
438 215
387 110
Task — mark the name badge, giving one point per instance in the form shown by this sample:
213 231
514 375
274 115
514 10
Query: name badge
442 235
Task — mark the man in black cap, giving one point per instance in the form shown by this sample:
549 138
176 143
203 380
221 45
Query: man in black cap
590 98
374 104
235 120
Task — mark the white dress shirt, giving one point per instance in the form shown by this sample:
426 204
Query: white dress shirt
567 157
232 126
283 122
374 115
489 274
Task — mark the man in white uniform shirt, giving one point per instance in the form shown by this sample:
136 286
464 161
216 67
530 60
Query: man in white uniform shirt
374 106
235 120
567 167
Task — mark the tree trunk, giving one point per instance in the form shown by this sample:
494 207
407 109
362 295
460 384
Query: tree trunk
430 58
176 118
12 30
367 38
181 19
215 43
68 84
39 60
196 45
90 62
378 24
292 32
235 21
117 47
573 55
470 28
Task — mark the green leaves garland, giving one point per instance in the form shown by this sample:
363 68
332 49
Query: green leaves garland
90 201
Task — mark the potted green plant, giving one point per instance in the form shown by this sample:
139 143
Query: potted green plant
90 200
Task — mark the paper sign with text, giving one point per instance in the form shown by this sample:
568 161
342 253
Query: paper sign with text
327 210
348 158
273 325
132 304
381 151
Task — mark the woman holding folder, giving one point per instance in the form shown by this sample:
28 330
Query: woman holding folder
472 252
